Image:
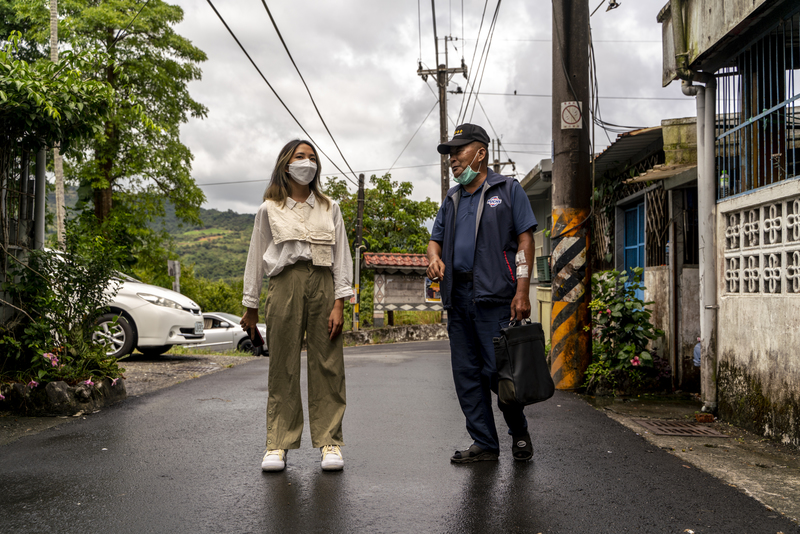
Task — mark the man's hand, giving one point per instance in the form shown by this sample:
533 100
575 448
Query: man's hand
249 320
336 320
520 306
435 264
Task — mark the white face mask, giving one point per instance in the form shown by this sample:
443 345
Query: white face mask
303 171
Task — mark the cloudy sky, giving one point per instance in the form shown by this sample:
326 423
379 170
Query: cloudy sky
359 58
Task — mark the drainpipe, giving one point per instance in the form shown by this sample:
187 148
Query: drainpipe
705 98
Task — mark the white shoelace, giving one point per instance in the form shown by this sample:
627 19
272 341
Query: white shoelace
331 449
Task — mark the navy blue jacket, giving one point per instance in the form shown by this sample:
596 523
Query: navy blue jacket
494 268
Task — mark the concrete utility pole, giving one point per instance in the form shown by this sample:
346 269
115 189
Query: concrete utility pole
358 247
57 162
443 76
571 322
496 163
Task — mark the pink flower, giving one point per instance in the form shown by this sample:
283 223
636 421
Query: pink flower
52 358
635 361
608 310
114 382
33 383
2 397
89 382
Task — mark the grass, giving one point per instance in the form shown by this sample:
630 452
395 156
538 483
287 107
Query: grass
180 350
416 317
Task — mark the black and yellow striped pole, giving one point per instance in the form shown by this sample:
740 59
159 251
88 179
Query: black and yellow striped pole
571 289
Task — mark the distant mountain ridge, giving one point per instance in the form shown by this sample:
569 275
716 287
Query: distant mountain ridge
218 248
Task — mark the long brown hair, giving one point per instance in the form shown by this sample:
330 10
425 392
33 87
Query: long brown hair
279 189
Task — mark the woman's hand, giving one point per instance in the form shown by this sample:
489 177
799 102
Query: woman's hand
336 320
249 320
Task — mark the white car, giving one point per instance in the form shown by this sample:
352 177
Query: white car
223 332
149 318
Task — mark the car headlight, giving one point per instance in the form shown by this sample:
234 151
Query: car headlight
159 301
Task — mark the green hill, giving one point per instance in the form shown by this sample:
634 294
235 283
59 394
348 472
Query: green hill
218 247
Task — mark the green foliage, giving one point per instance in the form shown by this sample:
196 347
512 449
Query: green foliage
60 295
621 319
44 103
149 66
392 221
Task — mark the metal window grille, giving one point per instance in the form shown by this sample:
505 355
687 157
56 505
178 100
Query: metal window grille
758 117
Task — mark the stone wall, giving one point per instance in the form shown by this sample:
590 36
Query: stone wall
758 337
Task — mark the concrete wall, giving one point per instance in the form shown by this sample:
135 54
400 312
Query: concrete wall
706 23
656 289
758 339
689 329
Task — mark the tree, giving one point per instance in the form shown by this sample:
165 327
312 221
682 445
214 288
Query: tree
392 221
149 66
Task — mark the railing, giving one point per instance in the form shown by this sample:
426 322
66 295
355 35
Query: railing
758 117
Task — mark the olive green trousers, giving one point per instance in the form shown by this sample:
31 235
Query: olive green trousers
299 303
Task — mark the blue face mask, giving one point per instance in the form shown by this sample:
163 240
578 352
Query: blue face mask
467 175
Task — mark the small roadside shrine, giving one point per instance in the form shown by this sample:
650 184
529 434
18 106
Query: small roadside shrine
400 284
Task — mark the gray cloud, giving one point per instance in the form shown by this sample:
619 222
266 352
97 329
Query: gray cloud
360 59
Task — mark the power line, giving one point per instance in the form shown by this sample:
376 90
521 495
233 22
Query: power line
415 134
487 47
119 35
603 97
550 41
329 174
274 91
472 61
275 25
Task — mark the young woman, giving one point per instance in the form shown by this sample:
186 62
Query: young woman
300 243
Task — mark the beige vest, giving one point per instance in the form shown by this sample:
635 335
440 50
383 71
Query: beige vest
304 223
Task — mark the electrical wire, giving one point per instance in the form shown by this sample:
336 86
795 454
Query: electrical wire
474 52
413 136
492 127
119 35
419 20
310 138
285 47
328 174
482 59
487 48
603 97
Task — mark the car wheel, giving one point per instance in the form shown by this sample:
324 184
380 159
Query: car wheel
116 333
152 352
246 345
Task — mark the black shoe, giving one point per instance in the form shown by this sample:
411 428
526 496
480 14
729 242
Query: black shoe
473 454
522 448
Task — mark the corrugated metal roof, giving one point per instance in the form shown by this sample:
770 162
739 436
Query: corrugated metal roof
629 149
395 262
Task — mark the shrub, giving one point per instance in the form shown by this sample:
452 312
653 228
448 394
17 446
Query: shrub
621 330
59 296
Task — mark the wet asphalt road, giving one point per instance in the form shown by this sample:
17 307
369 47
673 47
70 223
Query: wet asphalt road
187 459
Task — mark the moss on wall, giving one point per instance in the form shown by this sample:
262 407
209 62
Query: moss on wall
744 402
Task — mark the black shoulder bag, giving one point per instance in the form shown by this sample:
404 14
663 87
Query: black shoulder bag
524 377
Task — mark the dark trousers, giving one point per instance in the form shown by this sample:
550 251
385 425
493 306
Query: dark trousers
471 328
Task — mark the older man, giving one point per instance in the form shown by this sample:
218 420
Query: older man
481 249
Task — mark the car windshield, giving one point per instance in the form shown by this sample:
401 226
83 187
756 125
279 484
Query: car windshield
229 317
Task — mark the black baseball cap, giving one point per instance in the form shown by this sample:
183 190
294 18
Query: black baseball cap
464 135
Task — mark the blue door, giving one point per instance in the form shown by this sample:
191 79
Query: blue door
634 240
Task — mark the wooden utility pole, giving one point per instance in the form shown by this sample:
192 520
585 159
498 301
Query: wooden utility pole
358 247
57 162
496 163
572 190
443 76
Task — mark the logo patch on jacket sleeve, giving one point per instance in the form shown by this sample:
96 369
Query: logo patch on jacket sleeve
494 201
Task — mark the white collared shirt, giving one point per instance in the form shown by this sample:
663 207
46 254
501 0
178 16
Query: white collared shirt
268 258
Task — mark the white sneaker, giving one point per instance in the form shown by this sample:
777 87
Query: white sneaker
332 458
274 460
